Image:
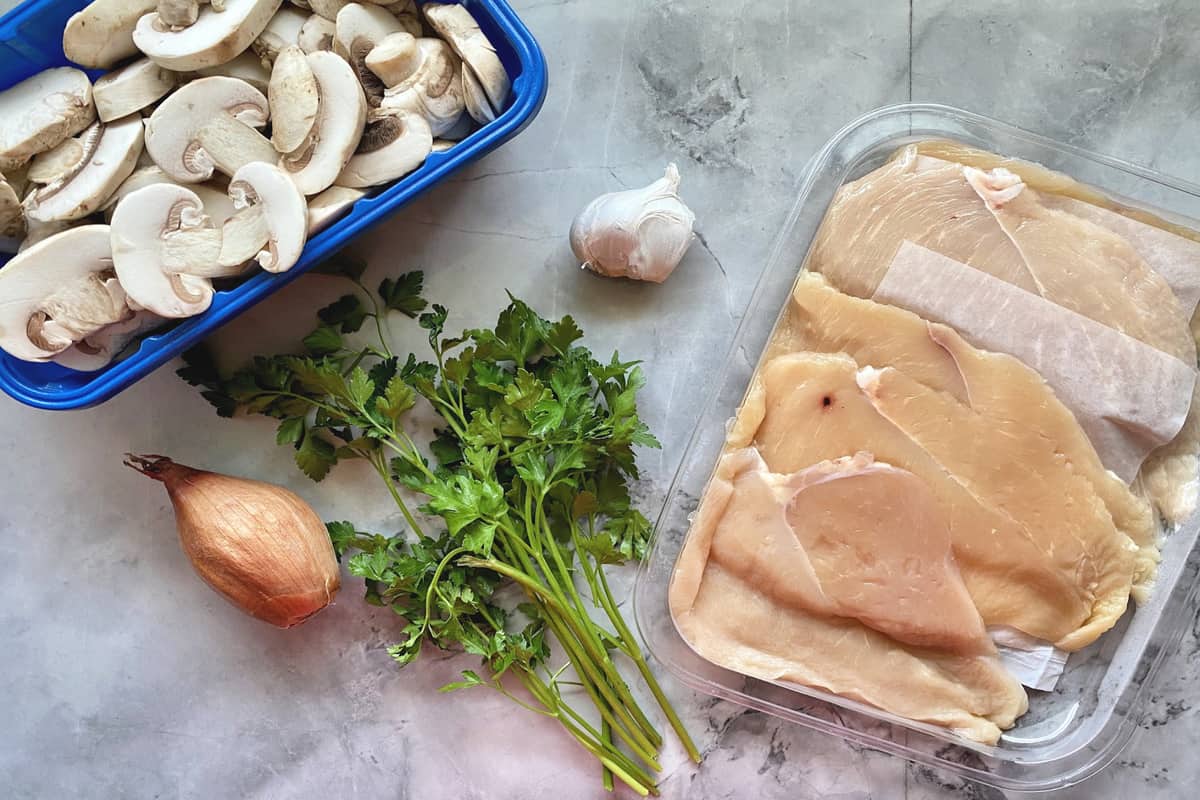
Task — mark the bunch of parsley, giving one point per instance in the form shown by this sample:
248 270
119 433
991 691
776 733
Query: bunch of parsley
529 475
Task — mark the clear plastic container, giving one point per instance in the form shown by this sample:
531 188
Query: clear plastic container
1067 735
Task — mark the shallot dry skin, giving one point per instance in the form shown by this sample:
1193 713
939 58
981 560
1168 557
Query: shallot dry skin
258 545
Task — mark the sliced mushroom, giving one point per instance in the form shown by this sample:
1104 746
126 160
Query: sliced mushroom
39 112
328 8
316 34
246 67
283 30
442 145
405 12
329 205
12 216
158 232
41 231
394 144
461 130
106 345
294 99
217 204
485 82
408 16
433 88
271 225
102 33
178 14
17 178
57 292
215 37
58 161
395 58
340 119
131 88
359 29
478 106
208 124
110 152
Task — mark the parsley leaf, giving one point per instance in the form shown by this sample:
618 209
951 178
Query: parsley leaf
403 294
347 313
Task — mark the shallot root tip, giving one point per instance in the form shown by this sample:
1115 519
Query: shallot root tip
150 465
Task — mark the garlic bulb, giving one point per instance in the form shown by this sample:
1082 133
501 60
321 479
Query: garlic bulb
259 545
640 233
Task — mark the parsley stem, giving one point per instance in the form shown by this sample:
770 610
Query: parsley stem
635 653
600 692
378 461
590 630
584 629
588 663
611 758
375 315
606 774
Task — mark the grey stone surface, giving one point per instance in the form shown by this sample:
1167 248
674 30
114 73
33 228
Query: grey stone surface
121 675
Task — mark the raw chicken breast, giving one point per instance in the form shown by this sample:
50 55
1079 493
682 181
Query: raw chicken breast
849 538
994 223
1128 397
1023 475
807 407
822 577
999 388
733 624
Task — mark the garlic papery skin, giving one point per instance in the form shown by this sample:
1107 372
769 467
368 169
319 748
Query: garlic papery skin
640 234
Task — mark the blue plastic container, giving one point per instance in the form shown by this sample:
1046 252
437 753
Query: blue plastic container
31 41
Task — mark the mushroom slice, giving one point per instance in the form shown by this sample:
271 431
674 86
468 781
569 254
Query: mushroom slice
131 88
215 37
455 24
433 89
268 201
359 29
395 58
394 144
208 124
442 145
478 106
316 34
178 14
12 217
110 152
340 119
57 292
329 205
283 30
328 8
217 204
408 16
41 231
102 33
152 227
39 112
246 67
100 349
294 99
52 165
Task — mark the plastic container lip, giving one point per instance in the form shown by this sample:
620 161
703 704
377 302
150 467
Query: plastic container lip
52 388
1066 748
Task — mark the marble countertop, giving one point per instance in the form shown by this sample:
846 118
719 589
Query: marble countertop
121 675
